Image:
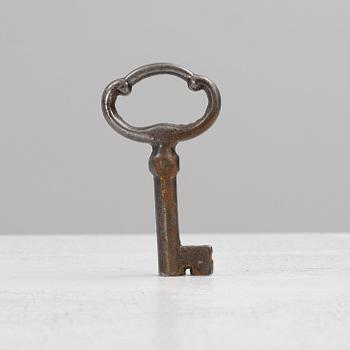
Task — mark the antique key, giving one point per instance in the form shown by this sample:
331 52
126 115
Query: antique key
173 258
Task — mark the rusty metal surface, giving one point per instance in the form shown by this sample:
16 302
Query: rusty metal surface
173 258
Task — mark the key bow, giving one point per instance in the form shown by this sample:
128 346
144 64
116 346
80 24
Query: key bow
161 132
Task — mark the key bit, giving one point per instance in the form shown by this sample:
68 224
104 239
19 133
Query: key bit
173 258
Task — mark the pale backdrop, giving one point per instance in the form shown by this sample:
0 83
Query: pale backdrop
276 160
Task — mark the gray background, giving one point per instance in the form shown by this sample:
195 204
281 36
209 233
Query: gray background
276 160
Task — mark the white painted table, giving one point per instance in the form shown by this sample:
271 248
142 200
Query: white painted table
268 291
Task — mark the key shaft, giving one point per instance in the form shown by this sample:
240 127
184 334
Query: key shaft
173 258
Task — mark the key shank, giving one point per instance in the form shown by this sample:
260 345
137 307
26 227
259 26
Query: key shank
173 258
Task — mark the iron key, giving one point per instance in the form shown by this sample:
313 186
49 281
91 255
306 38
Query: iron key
173 258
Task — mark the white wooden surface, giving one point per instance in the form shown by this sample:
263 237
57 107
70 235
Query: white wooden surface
268 291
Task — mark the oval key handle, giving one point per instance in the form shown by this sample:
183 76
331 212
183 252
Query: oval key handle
162 133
